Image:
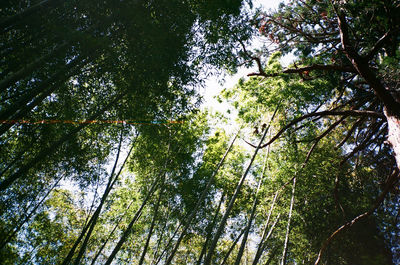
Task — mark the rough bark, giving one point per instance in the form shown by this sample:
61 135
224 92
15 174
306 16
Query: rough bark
394 135
392 106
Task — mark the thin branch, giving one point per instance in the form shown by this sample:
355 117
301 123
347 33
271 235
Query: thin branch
350 132
378 45
254 58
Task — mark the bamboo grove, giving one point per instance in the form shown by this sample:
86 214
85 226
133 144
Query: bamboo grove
107 158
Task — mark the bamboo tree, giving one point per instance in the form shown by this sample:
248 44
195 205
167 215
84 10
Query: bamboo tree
168 243
54 146
221 226
210 228
285 246
36 95
200 200
128 230
110 234
6 23
90 225
232 247
252 215
272 255
146 245
162 235
264 236
9 237
107 191
28 69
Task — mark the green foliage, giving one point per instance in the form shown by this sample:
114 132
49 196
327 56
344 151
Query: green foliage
143 62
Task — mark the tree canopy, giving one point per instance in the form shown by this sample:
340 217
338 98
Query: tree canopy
107 158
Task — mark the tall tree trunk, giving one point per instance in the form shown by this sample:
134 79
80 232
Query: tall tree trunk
128 230
200 200
252 215
394 135
34 97
169 243
271 256
221 227
264 236
9 237
159 241
210 228
110 234
27 70
107 191
233 247
391 102
95 215
264 244
153 222
285 246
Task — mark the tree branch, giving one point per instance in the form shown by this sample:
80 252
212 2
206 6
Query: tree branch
362 67
379 44
313 67
321 113
389 184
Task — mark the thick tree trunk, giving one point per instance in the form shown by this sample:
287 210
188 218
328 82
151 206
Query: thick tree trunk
394 135
391 102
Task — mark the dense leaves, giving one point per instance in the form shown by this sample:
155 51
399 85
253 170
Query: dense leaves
106 159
